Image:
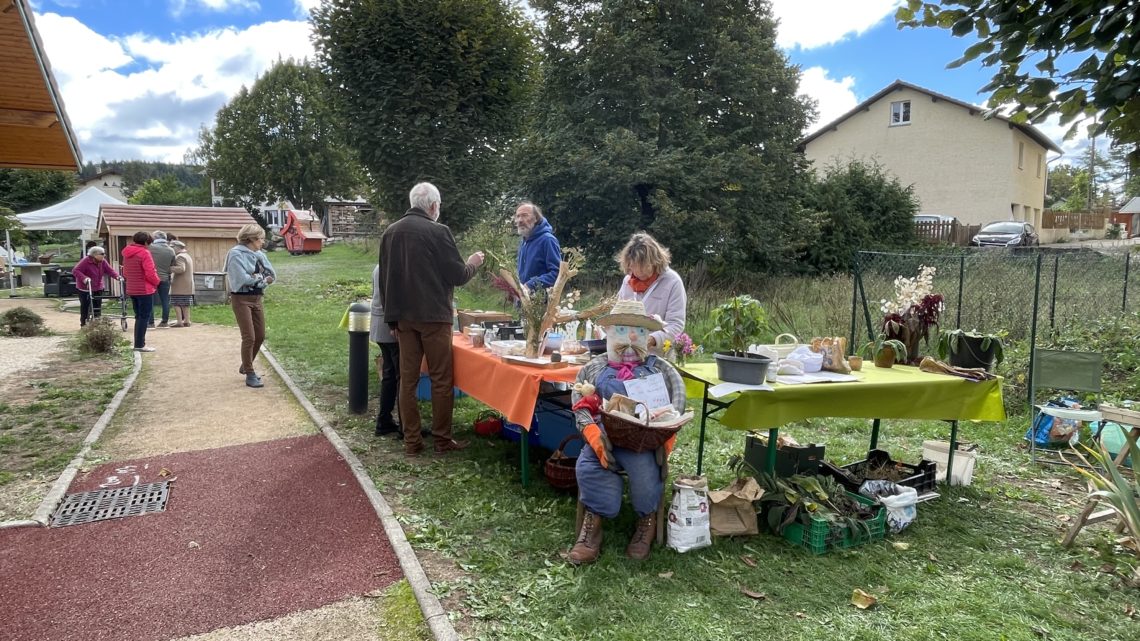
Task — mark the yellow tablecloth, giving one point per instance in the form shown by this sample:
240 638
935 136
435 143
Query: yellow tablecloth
897 392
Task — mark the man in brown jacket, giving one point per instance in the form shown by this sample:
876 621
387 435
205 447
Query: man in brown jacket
420 267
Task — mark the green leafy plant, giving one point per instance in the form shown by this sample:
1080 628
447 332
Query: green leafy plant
738 322
100 336
1112 487
21 321
799 498
873 348
950 342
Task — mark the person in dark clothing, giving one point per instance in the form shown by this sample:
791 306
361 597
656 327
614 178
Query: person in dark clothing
419 269
539 253
389 361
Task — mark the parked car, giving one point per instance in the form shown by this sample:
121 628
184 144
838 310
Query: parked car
1006 233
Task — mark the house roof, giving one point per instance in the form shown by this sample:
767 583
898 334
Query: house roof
35 132
1028 130
1131 207
121 218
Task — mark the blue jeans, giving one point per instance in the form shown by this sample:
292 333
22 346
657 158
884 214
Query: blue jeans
600 490
162 297
144 314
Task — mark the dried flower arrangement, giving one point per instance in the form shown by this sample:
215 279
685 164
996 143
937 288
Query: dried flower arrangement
913 312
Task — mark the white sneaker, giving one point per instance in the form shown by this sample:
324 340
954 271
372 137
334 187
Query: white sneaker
144 349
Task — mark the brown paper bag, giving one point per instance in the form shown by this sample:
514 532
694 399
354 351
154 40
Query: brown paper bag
732 510
834 350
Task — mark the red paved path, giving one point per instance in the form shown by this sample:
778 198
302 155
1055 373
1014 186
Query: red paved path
279 526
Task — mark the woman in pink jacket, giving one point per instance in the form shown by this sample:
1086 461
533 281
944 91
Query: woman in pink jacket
142 282
89 276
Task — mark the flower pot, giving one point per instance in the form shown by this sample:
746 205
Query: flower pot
971 354
747 369
885 357
855 362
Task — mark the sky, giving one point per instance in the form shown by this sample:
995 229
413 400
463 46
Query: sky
140 78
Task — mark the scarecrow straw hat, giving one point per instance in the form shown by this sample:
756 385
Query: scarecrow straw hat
631 313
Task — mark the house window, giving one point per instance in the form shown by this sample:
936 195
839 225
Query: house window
1039 163
1021 155
900 113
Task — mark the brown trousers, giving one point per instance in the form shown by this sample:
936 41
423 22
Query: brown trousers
251 321
433 341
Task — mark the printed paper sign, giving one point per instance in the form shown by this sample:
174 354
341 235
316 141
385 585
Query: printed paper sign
650 390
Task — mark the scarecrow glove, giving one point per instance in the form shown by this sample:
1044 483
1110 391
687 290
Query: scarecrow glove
600 444
593 403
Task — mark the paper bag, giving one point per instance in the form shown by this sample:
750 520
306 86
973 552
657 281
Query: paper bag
834 350
732 509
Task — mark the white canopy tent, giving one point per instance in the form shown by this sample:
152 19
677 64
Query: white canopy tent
79 213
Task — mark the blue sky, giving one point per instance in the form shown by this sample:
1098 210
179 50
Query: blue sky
139 78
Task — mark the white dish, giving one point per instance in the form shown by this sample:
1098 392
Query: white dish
505 348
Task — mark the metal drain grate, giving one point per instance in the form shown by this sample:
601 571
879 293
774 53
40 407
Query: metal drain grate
85 507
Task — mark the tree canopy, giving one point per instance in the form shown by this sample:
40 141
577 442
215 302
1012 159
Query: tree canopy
431 90
167 190
1083 55
281 139
678 117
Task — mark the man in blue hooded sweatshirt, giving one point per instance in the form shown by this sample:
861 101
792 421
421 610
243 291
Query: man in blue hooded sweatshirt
539 254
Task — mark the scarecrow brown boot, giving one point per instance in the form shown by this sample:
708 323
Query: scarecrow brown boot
643 536
589 543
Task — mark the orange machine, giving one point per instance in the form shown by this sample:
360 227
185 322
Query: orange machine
300 235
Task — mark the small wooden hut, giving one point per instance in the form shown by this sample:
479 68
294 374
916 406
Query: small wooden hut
209 232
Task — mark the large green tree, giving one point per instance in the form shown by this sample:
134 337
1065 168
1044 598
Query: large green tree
23 190
677 117
281 139
169 191
432 90
860 205
1076 59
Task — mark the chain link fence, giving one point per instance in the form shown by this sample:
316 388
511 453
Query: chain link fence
1000 290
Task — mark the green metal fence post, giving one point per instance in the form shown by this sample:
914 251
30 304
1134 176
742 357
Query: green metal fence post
1053 299
854 299
1033 330
1127 263
961 284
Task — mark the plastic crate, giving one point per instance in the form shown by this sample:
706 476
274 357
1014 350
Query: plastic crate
790 460
819 537
423 389
513 432
554 423
923 477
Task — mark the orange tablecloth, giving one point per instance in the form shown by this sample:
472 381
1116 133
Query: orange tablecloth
510 389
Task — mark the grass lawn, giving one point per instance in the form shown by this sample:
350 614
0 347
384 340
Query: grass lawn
982 562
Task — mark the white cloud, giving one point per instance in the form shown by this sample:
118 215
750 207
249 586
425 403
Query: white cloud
178 7
833 97
305 7
142 97
822 22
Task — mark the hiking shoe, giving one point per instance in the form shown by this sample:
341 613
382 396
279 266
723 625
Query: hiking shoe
450 446
144 349
253 380
163 325
393 428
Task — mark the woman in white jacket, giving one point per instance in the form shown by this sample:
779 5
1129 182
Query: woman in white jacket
649 279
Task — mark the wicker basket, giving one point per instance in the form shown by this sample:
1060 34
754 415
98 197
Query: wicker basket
559 468
781 347
640 436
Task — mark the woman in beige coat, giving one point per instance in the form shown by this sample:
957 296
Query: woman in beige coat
182 283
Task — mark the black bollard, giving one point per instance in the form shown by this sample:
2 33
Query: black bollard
359 318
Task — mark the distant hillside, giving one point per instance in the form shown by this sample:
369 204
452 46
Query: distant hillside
137 172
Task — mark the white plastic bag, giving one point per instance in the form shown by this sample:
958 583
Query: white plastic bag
901 502
689 514
812 361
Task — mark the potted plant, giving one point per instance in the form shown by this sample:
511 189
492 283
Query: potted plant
736 323
913 312
885 351
970 349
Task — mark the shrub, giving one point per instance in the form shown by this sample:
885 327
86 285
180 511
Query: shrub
21 321
100 336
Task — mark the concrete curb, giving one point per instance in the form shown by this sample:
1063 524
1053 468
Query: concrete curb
434 614
48 506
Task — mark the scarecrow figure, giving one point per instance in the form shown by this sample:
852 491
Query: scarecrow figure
627 357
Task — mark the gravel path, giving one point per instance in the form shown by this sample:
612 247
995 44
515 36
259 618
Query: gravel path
26 354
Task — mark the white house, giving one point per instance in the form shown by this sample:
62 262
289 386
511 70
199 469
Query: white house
960 163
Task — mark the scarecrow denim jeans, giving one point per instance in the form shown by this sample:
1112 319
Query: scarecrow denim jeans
600 490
